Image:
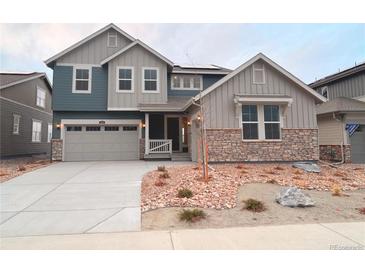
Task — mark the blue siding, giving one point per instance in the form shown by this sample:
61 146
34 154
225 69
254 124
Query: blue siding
58 115
208 80
64 100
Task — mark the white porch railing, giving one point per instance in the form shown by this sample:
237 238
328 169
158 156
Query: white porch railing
160 146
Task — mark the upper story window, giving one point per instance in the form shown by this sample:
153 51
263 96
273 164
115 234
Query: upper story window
36 131
125 79
261 122
112 39
41 97
150 80
16 124
82 79
187 82
258 73
324 91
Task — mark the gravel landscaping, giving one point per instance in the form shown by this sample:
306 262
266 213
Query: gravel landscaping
11 168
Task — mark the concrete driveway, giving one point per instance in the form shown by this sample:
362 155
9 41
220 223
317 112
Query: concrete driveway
73 198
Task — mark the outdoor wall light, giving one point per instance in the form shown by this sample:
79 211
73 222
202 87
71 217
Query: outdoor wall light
189 123
143 125
58 126
199 117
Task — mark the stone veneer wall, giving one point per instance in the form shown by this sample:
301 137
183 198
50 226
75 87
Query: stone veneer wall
226 145
141 148
333 153
56 149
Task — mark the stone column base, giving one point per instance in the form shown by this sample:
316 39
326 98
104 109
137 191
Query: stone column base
333 153
57 147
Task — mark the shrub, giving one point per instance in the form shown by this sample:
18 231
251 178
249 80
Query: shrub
336 190
160 182
21 168
185 193
254 205
161 168
362 210
164 175
192 215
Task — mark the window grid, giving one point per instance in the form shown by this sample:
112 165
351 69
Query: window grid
36 131
49 135
41 97
16 124
150 80
186 82
125 79
82 79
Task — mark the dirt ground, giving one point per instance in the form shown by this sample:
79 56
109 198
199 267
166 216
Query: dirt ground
10 168
328 208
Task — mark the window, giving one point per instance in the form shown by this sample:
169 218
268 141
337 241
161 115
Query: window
250 122
261 122
129 128
82 80
272 122
111 128
186 82
124 79
92 128
49 133
74 128
112 40
258 73
16 124
41 97
36 131
150 80
324 92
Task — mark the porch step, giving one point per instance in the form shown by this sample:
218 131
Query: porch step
180 156
158 156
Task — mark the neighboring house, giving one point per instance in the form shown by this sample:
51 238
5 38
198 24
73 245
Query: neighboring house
26 114
341 120
115 98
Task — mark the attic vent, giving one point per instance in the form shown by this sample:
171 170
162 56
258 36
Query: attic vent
112 40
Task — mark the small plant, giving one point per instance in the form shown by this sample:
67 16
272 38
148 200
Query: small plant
21 168
361 210
272 181
336 190
165 175
243 171
161 168
192 215
160 182
254 205
279 168
185 193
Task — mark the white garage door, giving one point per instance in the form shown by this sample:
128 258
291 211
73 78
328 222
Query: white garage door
101 143
357 141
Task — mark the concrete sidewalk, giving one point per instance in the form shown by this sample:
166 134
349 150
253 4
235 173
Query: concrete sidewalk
309 236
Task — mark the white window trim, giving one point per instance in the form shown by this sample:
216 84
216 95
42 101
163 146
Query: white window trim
157 80
254 69
325 88
40 133
16 132
39 89
49 130
261 124
88 67
181 87
110 34
117 81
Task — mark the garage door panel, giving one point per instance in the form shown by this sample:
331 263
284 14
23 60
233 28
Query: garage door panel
357 141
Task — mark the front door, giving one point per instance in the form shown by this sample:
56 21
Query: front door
173 132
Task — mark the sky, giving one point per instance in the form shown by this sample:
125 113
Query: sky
309 51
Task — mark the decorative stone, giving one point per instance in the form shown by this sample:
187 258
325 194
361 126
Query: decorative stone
294 197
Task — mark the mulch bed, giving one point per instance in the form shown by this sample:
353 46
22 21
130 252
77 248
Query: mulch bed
220 191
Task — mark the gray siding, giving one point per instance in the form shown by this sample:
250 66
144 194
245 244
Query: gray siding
94 50
138 58
350 87
220 108
64 99
12 145
330 131
26 93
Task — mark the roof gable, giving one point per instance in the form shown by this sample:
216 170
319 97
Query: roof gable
143 45
49 61
12 79
278 68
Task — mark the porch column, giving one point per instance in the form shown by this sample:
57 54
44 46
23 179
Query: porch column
147 133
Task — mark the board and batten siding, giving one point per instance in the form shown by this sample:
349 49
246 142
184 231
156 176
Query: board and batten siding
330 131
220 110
136 57
94 51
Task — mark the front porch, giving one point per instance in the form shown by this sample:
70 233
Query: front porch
167 136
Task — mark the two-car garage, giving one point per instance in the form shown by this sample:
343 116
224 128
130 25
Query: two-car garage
100 142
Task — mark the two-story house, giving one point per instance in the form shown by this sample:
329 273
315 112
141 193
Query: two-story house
116 98
26 114
341 120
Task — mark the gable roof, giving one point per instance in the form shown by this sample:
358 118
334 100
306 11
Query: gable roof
88 38
270 62
8 79
140 43
200 69
341 104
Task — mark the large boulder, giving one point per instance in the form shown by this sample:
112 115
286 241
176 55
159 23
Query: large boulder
294 197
